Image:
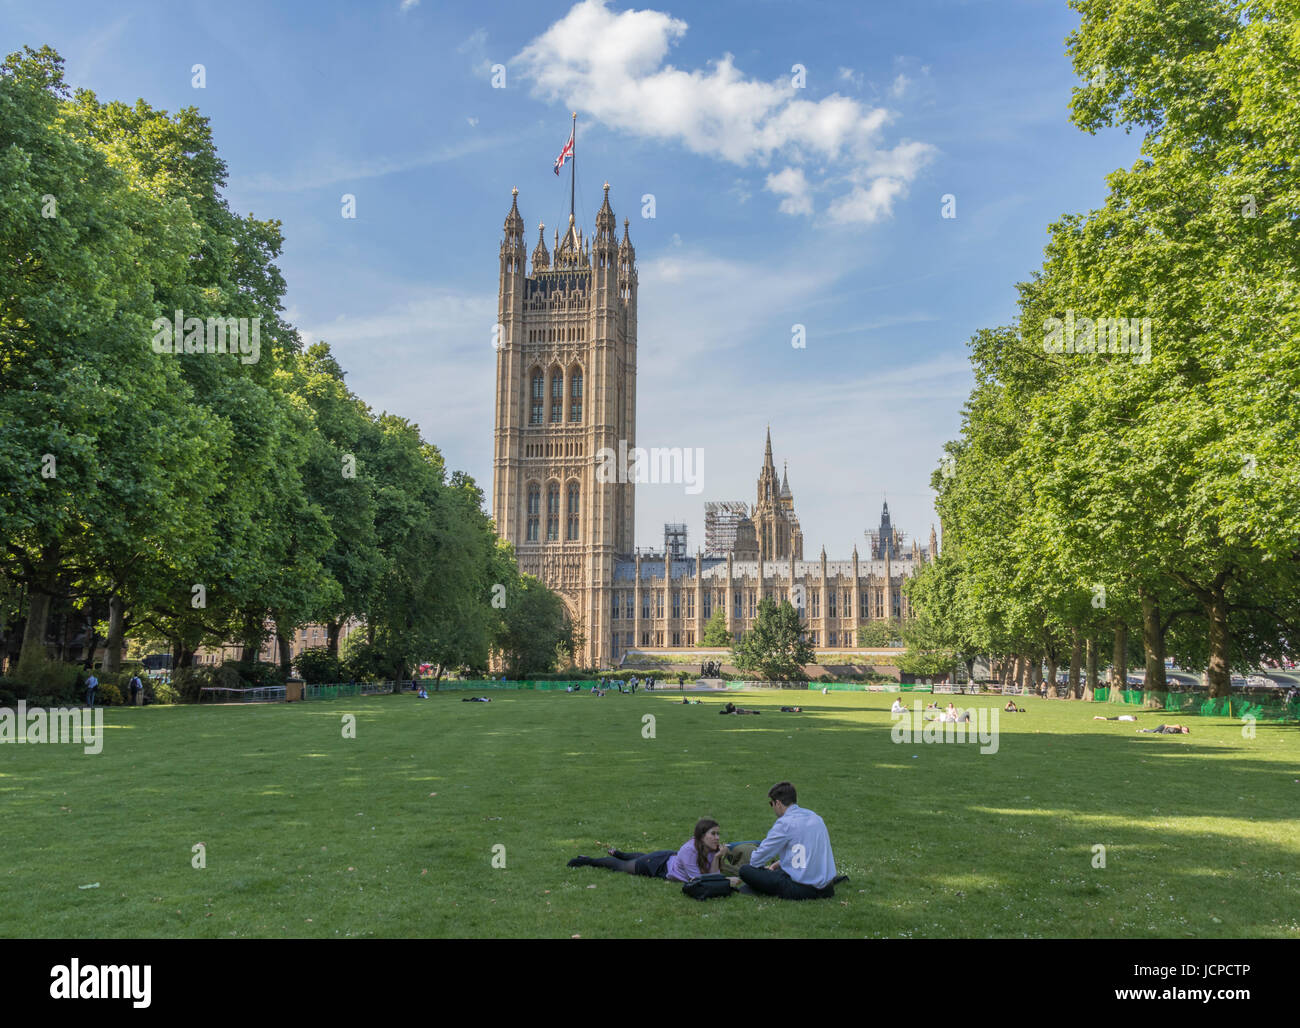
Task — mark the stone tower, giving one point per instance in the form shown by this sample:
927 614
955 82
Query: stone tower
777 527
565 402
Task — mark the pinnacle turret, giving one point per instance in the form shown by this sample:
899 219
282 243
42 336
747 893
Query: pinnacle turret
541 257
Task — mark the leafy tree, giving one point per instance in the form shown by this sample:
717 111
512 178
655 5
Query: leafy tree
879 634
775 646
715 630
537 629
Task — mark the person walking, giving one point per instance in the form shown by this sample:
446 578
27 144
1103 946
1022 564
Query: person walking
92 683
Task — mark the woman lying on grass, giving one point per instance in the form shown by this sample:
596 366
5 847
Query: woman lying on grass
698 855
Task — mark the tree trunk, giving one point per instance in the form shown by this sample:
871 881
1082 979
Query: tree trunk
1219 672
113 647
332 629
286 650
1090 683
38 616
1051 676
1076 652
1119 666
1155 690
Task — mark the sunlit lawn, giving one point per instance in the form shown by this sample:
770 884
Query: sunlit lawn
308 833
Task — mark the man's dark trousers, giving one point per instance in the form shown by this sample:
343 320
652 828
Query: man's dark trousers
778 883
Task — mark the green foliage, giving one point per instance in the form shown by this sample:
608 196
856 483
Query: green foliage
715 630
538 632
775 647
880 634
187 682
1150 487
318 665
108 695
37 676
251 674
163 692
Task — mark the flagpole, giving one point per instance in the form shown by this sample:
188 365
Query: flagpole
573 165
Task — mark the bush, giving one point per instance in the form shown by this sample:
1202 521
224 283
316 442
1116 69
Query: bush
108 695
46 678
7 698
318 665
163 692
189 680
252 674
366 663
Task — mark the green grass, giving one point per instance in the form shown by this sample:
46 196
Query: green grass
308 834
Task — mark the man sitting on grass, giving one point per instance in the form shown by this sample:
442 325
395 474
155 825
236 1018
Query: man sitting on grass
805 867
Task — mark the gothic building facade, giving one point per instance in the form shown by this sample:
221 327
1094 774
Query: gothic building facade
565 391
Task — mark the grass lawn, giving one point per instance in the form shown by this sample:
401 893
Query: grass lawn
309 834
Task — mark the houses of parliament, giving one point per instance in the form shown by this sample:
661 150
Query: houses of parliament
565 391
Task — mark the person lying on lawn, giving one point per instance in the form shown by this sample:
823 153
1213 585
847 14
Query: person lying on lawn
1167 730
731 708
698 855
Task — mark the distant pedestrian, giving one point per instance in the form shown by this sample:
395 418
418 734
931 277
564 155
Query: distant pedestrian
92 683
137 687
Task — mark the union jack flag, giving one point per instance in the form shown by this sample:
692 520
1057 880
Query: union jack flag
565 154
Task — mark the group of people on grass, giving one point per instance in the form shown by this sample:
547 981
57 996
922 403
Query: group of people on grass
796 852
934 712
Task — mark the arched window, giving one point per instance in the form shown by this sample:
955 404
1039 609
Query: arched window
572 533
557 396
553 512
575 395
534 511
538 397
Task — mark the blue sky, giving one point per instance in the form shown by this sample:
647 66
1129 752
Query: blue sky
775 205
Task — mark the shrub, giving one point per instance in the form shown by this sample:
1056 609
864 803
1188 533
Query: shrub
318 665
189 680
46 678
7 698
252 674
108 695
163 692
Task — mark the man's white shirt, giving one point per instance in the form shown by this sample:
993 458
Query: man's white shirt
799 837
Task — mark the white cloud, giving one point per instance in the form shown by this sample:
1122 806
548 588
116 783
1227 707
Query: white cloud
854 78
408 4
864 206
899 86
791 184
612 65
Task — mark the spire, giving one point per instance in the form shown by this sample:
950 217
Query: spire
514 223
785 480
605 222
541 258
767 450
568 251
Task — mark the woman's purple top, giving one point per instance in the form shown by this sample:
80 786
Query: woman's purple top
683 865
